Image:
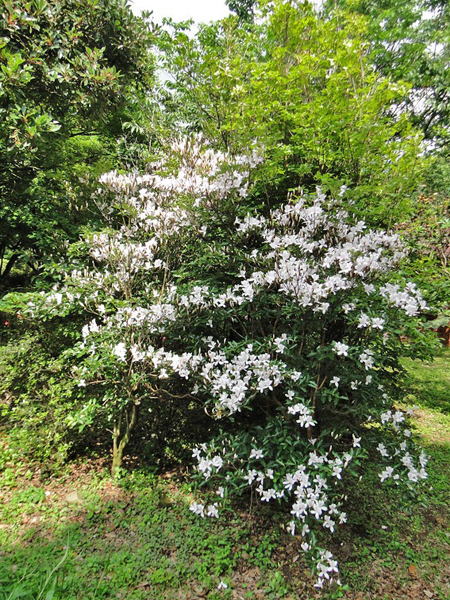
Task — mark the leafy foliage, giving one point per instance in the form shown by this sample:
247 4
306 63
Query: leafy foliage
302 86
67 69
409 42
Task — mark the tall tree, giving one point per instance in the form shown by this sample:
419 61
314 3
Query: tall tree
303 87
67 69
244 9
410 41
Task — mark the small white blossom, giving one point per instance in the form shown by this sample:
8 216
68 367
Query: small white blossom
256 454
197 509
341 349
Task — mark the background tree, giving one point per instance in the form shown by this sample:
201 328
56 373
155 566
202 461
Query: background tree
244 9
409 42
68 69
302 86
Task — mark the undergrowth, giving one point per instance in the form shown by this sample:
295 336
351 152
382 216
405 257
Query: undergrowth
135 537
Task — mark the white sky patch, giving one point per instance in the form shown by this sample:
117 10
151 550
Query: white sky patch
201 11
435 49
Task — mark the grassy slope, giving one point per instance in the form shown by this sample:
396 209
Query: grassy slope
138 540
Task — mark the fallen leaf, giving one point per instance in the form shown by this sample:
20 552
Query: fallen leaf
412 570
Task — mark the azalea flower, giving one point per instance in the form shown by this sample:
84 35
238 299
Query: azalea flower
341 349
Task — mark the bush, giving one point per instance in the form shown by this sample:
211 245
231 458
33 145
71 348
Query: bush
286 327
37 398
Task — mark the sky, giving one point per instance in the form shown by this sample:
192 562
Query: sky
181 10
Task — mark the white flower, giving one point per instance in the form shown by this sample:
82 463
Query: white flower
341 349
222 586
398 417
291 527
382 450
280 343
197 509
377 323
268 495
364 320
120 350
386 473
217 462
251 476
212 511
305 546
386 416
337 470
329 523
318 508
257 454
348 307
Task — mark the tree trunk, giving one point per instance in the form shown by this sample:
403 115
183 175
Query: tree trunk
10 265
121 439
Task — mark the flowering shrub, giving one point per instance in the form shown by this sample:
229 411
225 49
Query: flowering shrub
284 323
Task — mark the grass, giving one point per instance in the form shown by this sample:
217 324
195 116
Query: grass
429 383
136 538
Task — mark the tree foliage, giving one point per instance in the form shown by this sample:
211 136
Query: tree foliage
67 71
410 42
244 9
302 87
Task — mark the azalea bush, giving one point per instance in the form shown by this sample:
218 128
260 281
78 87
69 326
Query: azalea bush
286 325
